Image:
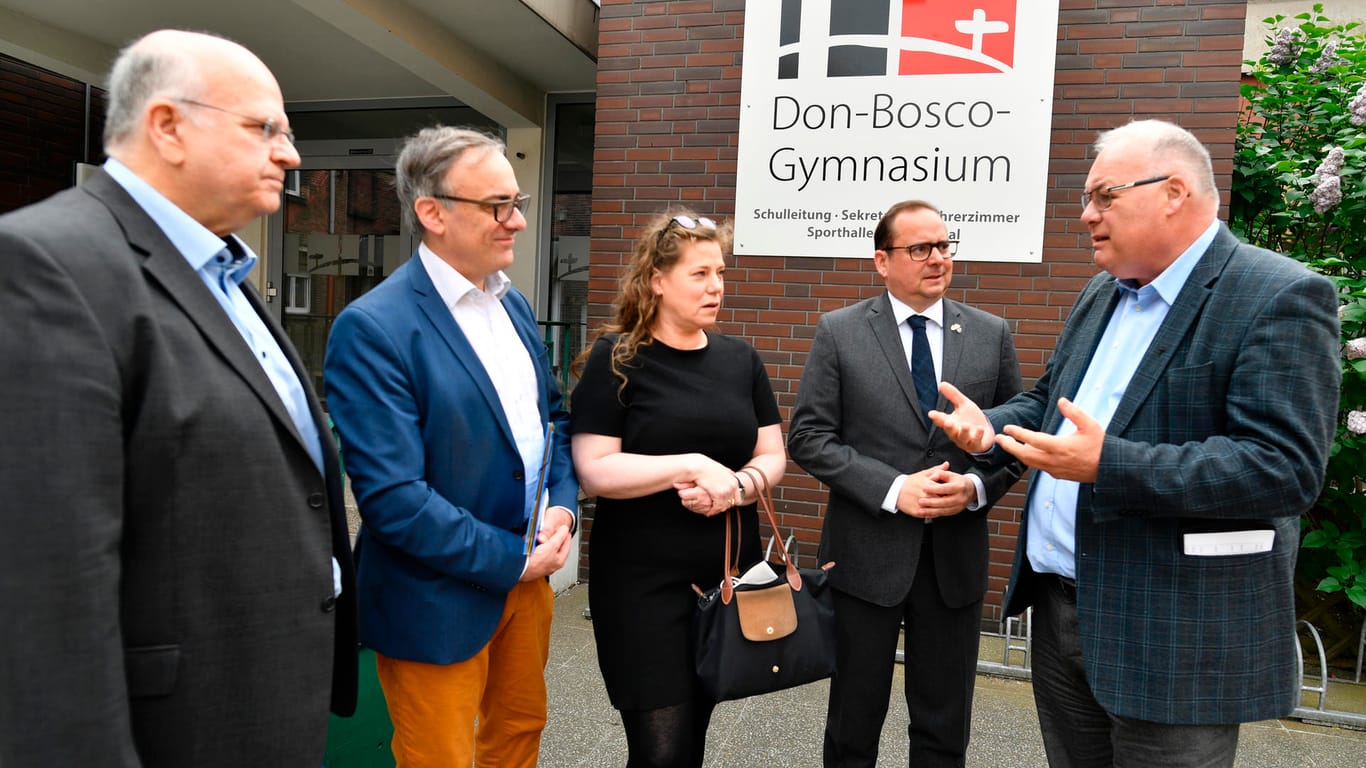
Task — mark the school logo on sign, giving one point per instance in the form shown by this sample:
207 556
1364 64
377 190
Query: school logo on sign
868 38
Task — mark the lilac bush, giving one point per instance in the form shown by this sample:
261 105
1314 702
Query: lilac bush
1298 188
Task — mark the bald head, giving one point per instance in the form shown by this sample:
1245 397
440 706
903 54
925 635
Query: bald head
168 63
202 121
1169 147
1150 194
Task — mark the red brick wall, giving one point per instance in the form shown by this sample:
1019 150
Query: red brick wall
42 132
668 101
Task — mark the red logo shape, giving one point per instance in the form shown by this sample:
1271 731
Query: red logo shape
949 37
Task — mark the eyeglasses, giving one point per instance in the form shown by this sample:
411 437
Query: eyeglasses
501 208
1104 198
270 129
921 251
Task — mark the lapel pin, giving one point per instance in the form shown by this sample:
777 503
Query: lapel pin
956 328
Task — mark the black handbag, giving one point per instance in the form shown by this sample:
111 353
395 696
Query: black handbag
750 639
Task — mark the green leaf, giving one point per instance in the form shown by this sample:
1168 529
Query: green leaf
1357 595
1316 540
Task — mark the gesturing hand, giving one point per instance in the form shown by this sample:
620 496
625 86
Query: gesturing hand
1074 456
967 426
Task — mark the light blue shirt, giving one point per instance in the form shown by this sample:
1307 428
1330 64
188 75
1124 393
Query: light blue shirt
1052 517
209 257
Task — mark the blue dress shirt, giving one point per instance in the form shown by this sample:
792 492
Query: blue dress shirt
1052 516
212 258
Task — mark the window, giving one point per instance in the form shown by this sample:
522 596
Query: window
298 295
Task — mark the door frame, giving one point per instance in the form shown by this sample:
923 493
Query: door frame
359 155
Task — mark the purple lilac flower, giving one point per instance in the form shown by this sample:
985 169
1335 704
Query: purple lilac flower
1358 107
1356 422
1331 165
1356 349
1285 50
1328 58
1327 194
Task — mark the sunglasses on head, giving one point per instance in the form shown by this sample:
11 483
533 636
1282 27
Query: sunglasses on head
688 222
685 222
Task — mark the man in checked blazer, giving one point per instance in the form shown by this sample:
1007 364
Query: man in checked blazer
906 523
1183 426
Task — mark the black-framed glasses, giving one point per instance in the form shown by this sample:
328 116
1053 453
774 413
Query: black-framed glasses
1105 197
922 251
501 208
270 128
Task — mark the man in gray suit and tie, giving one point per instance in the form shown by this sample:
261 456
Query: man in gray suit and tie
1178 433
175 570
906 523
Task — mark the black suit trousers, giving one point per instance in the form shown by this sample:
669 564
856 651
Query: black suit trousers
941 668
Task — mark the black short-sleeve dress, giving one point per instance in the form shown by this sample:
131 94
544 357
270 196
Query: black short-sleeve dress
645 553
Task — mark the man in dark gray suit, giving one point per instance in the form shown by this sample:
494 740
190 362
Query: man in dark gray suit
1183 426
906 523
175 573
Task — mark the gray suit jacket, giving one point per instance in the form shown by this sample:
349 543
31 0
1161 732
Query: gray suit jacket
857 425
1225 426
165 539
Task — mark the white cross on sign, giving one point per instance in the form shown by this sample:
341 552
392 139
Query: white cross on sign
979 26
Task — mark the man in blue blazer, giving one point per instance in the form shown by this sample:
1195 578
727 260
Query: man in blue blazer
454 436
1183 425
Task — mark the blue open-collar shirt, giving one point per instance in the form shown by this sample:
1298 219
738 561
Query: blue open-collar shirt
1052 517
212 258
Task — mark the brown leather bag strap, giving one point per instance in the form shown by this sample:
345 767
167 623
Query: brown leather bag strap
727 589
765 494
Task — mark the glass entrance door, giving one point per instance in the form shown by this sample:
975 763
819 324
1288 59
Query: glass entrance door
342 233
568 219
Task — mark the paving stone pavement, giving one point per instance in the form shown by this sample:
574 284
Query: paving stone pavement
783 730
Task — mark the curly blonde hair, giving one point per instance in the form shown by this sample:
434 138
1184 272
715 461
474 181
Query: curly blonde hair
657 250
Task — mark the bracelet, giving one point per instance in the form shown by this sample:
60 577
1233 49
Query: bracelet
741 495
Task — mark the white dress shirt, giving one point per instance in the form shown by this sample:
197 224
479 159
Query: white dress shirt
934 332
485 323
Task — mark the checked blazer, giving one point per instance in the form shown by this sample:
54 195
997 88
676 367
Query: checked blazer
1225 426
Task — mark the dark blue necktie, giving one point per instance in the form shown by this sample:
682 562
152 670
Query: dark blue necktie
922 365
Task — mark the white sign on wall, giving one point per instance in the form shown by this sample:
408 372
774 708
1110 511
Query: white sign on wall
848 106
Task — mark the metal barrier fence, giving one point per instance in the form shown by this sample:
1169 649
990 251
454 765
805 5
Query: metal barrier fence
1017 640
563 340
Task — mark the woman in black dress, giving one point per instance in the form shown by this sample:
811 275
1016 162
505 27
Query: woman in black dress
665 415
